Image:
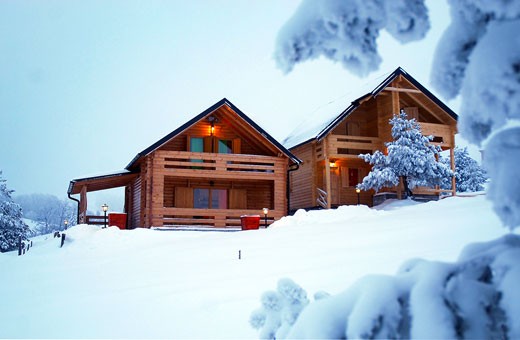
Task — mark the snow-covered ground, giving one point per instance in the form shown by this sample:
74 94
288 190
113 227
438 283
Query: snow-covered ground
107 283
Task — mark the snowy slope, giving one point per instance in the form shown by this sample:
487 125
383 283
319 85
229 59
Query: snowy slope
182 284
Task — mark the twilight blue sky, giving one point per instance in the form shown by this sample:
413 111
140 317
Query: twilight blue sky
86 85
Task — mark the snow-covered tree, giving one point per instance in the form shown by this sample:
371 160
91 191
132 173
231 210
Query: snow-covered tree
411 157
478 56
469 175
11 225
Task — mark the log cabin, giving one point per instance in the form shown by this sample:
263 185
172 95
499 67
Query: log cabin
208 172
329 147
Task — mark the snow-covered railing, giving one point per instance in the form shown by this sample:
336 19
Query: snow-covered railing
322 199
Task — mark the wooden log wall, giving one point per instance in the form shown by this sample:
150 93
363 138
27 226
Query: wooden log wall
303 185
222 131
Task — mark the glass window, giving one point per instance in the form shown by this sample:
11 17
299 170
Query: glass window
209 198
196 144
353 177
201 198
218 199
225 146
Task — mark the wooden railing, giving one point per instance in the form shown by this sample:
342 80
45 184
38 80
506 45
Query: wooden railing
179 217
341 146
220 165
443 134
322 199
95 220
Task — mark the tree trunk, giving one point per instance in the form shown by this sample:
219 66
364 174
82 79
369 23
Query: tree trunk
406 188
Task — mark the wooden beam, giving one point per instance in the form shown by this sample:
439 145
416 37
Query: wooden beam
327 183
452 163
400 89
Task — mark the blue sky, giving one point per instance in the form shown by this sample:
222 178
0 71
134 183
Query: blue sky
86 85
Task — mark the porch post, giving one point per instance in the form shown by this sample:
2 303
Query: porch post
83 205
452 163
327 183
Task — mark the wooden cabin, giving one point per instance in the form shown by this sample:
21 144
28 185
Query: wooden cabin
329 149
208 172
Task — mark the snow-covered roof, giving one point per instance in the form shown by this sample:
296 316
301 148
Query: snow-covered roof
326 117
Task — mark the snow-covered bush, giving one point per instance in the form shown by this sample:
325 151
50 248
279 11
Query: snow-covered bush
411 156
469 175
475 297
11 223
279 310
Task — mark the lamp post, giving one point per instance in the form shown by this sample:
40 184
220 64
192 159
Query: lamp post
266 211
66 222
105 209
357 192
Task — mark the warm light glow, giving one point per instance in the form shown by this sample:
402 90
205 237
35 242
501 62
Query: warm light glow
332 164
358 190
212 130
266 211
104 207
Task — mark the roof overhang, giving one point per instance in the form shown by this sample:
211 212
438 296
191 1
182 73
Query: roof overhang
101 182
201 116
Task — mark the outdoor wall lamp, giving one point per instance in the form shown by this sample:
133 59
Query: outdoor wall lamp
357 192
265 211
104 207
212 120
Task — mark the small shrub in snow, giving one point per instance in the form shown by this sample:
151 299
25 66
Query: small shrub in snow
411 156
279 310
469 175
476 297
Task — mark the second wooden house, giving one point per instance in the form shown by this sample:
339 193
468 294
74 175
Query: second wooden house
329 149
208 172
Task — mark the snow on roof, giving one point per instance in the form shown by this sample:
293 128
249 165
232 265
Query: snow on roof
325 115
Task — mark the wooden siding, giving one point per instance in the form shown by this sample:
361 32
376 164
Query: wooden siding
248 144
263 178
302 185
134 219
365 130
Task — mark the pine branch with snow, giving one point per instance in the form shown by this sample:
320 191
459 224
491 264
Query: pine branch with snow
475 297
469 175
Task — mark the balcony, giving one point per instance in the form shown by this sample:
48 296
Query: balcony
221 166
341 146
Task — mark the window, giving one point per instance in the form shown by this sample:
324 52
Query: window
350 177
196 144
225 146
209 198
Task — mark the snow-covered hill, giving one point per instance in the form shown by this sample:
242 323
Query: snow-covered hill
185 284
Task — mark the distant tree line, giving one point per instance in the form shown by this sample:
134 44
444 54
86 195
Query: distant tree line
48 211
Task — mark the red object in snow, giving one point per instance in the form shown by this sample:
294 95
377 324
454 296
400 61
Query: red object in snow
117 219
250 222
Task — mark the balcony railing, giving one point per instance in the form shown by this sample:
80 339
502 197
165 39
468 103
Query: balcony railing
343 146
179 217
442 134
192 164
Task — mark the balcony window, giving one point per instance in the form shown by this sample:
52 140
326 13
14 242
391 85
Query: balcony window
204 198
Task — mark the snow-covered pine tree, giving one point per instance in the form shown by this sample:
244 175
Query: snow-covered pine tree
11 223
469 175
411 157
